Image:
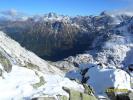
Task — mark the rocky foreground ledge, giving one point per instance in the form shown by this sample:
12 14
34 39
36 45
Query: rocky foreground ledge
107 82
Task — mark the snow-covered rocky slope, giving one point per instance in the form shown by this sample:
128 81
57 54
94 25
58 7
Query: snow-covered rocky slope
101 78
24 76
18 55
117 50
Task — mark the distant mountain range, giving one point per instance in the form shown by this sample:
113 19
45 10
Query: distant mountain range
55 37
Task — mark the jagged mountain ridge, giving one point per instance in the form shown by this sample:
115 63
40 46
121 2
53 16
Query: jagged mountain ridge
54 37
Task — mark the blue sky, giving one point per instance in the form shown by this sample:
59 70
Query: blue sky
66 7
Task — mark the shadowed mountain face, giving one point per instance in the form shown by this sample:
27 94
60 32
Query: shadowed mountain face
55 37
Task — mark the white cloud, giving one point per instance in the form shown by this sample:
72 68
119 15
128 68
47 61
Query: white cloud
11 12
121 11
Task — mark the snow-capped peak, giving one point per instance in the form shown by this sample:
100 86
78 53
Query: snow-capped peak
12 15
